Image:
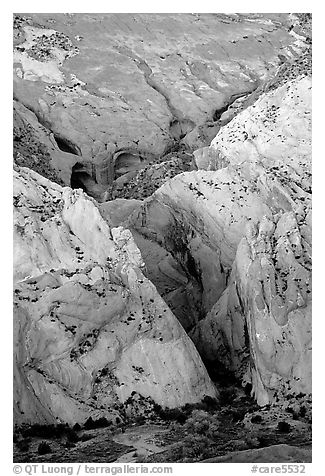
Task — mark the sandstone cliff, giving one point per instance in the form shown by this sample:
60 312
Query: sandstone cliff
220 238
90 328
116 100
240 235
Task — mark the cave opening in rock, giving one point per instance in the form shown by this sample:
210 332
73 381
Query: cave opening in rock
80 178
65 145
127 162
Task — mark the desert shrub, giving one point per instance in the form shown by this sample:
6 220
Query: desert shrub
86 437
157 408
256 419
210 402
45 431
89 424
72 436
140 420
252 441
102 422
284 427
44 448
198 422
227 395
23 445
237 415
195 447
263 440
176 414
302 411
202 423
69 444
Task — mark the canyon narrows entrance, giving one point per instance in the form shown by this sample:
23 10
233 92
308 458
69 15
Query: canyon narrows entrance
81 178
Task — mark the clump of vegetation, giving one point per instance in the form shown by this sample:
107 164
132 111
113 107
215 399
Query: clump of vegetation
227 396
256 419
45 431
210 403
72 436
203 423
284 427
173 414
23 445
195 447
101 422
86 437
44 448
252 441
180 415
69 444
238 415
176 237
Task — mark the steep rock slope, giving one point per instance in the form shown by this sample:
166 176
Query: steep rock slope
169 77
242 236
35 147
90 330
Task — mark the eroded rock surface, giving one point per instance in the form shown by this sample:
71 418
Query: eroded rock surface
242 237
90 328
120 90
271 454
116 105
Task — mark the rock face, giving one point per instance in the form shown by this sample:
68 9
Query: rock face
35 147
271 275
120 90
213 243
144 183
241 236
90 329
